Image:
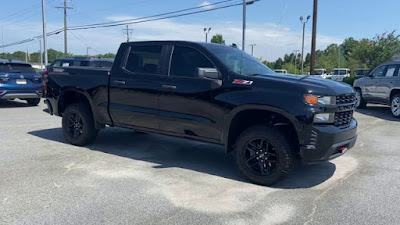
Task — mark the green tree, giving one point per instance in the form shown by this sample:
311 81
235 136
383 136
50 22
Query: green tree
218 39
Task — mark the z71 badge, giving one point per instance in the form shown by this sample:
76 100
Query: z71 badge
243 82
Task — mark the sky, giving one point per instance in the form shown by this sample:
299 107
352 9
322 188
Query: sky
273 25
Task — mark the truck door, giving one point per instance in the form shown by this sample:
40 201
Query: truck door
135 87
384 84
370 89
187 106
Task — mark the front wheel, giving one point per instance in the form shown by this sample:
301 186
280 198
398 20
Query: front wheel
264 155
360 102
33 101
395 106
78 125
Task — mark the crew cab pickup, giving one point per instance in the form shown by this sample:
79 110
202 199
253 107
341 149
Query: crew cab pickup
211 93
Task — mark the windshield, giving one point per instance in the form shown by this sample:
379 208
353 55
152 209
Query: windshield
16 68
239 61
319 72
339 72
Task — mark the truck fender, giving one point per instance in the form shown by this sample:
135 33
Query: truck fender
228 118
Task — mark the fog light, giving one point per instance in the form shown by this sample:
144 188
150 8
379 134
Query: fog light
324 118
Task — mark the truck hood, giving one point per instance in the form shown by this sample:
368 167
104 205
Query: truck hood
310 84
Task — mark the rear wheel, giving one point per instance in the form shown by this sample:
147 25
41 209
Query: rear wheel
360 102
395 105
264 155
78 125
33 101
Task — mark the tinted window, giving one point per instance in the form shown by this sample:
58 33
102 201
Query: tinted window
390 71
16 68
62 63
82 63
186 61
144 59
378 72
340 72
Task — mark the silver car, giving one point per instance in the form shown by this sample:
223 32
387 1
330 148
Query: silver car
381 86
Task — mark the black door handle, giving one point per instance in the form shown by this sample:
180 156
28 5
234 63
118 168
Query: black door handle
119 82
170 87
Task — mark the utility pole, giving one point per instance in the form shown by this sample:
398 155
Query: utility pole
314 38
244 26
295 60
65 7
2 37
46 59
206 31
128 33
302 46
87 51
252 49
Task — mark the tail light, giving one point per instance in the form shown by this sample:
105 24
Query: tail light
45 75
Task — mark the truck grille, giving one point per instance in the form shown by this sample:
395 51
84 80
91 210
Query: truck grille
343 118
345 99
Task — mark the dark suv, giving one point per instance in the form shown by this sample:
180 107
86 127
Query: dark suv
381 86
211 93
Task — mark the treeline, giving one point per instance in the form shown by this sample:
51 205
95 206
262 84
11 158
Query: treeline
34 57
352 54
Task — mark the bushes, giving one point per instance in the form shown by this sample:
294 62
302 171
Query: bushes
350 80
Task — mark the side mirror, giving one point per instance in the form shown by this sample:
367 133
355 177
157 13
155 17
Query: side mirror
210 73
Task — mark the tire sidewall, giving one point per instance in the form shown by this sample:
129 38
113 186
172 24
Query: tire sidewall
283 148
88 132
34 101
391 104
361 102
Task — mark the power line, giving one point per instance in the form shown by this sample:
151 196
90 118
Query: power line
138 20
155 19
158 15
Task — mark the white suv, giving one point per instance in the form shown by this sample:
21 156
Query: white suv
338 74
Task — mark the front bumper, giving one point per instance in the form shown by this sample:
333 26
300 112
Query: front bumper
21 94
329 142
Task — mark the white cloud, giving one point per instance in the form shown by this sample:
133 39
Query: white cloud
206 5
271 41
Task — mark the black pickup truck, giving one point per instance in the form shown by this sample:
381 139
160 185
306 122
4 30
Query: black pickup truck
212 93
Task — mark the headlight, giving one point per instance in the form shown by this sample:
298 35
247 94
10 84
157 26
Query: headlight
324 118
319 100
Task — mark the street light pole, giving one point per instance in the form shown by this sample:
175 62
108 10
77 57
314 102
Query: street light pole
44 32
206 31
41 55
302 46
252 49
295 60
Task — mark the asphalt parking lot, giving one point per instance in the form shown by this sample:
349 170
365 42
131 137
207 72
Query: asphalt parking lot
133 178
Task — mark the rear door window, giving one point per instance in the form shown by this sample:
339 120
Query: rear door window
144 59
390 71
